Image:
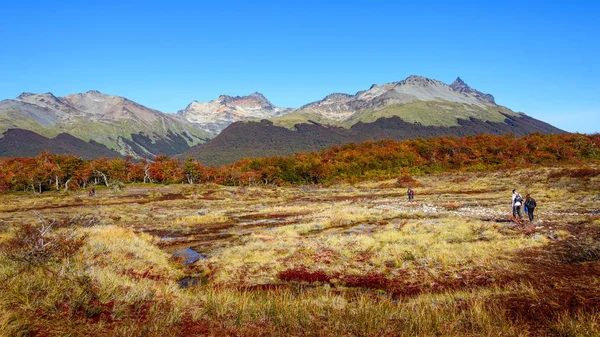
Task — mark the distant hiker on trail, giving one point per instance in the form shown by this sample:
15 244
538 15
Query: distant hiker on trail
411 194
517 201
530 205
92 192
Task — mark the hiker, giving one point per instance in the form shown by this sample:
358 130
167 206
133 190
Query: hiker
411 194
517 201
92 192
530 205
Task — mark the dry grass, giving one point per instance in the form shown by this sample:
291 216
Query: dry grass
343 260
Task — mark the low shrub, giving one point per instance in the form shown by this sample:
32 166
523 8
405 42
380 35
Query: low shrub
37 245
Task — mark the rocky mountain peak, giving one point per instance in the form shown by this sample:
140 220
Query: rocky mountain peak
217 114
95 94
460 86
30 95
25 95
47 100
416 80
255 100
258 95
336 96
223 98
458 82
261 98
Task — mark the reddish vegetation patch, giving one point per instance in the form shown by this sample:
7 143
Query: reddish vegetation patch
209 196
407 181
94 311
169 196
582 173
325 256
302 274
565 277
371 280
401 285
558 289
142 310
190 327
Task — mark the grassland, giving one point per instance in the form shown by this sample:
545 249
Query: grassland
345 260
301 116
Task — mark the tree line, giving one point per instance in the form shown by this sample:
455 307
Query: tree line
345 163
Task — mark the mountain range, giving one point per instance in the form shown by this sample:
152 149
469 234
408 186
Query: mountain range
228 128
122 126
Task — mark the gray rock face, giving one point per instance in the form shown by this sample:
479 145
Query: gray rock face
217 114
460 86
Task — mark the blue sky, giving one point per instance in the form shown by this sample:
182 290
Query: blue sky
539 57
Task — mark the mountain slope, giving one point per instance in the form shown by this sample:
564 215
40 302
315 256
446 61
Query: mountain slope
25 143
258 139
446 104
120 124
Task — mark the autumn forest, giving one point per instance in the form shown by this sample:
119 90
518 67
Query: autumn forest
381 159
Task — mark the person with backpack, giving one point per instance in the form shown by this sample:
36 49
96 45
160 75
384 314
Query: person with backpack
517 201
530 205
411 194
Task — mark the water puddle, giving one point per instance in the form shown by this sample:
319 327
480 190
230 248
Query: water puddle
192 281
188 255
168 239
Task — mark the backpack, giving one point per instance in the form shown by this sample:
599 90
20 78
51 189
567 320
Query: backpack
519 198
532 203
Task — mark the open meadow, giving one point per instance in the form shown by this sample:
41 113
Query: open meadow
344 259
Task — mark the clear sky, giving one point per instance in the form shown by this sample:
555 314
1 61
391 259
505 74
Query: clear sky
538 57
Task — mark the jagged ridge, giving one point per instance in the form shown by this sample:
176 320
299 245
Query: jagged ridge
217 114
